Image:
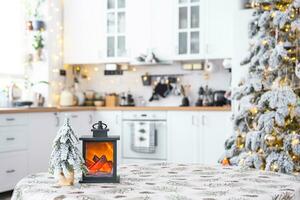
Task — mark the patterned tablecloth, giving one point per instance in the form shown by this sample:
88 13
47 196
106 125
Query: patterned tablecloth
168 181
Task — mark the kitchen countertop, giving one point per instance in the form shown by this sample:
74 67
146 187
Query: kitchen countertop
92 108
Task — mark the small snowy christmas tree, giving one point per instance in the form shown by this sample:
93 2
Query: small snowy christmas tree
65 157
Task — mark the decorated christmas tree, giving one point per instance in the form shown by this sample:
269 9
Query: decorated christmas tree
66 159
267 124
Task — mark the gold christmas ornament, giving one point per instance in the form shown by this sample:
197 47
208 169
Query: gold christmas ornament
253 110
295 141
274 167
260 151
240 141
270 140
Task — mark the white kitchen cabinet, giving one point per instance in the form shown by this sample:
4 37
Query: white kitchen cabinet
189 29
216 128
113 119
14 144
115 20
219 29
194 137
80 121
204 29
183 137
14 167
43 128
148 31
84 31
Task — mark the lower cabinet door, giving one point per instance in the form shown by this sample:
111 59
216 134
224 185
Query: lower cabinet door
183 134
43 128
113 119
217 128
13 167
81 122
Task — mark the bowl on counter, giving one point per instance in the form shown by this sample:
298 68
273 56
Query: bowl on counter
99 103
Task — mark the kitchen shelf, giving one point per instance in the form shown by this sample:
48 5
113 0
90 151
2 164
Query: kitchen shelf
118 108
151 64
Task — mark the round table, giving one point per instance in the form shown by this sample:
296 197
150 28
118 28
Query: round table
170 182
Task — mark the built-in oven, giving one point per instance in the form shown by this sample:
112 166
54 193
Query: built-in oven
144 135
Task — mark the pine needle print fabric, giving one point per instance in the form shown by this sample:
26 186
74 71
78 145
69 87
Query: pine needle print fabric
163 181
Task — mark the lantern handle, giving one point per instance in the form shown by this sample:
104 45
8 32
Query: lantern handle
100 126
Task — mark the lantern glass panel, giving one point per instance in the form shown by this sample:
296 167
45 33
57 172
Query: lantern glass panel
99 157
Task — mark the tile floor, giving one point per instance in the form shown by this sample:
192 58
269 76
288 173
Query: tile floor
5 195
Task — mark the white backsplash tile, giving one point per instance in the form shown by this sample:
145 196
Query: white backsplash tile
218 80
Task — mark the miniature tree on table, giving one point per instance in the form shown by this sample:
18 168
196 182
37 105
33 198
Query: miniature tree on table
66 159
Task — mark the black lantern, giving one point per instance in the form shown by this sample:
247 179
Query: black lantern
100 155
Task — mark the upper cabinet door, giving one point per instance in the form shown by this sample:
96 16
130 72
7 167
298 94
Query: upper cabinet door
189 29
219 29
83 31
150 26
162 23
139 29
116 29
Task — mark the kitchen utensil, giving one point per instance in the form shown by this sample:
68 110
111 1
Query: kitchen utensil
22 103
162 90
79 95
130 100
185 100
111 100
146 79
201 96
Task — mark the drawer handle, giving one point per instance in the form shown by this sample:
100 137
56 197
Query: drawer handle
10 171
10 139
144 115
10 119
74 116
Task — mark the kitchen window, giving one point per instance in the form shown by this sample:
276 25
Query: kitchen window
12 40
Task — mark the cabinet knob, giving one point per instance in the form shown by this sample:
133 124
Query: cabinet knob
57 119
90 118
10 171
203 120
10 139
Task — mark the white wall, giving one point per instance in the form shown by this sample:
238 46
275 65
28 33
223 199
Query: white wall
241 43
219 80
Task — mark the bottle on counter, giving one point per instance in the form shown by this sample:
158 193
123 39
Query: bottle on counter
201 96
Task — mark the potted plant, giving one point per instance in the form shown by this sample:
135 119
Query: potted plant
38 45
35 14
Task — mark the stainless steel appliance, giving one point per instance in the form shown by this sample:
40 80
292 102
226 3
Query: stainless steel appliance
219 98
144 136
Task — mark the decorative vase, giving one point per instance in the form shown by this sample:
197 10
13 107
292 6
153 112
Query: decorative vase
38 25
67 98
29 25
38 54
66 180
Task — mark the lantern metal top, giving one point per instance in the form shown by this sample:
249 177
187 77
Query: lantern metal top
99 129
